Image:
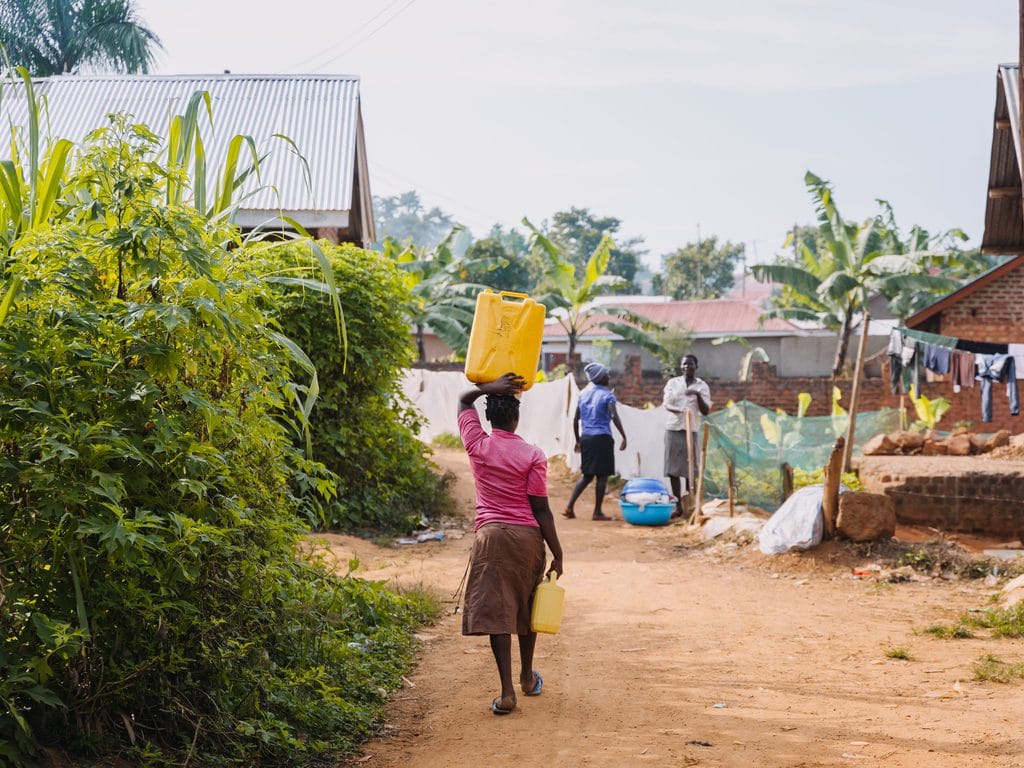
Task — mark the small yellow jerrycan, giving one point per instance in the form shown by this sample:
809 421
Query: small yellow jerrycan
506 335
548 599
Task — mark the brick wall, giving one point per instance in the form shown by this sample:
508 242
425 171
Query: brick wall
994 312
970 495
637 387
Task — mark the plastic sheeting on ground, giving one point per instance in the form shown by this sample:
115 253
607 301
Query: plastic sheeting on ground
797 524
545 419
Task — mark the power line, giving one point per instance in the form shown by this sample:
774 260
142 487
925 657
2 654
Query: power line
356 44
387 6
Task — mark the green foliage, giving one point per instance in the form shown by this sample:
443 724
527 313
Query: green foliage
898 652
439 296
993 669
674 342
929 412
569 295
578 233
959 631
481 257
154 600
56 37
1004 622
448 440
404 219
363 429
701 270
803 478
833 274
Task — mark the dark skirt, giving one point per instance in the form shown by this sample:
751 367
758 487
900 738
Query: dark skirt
597 455
507 565
676 454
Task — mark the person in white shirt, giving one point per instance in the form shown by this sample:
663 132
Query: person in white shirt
684 393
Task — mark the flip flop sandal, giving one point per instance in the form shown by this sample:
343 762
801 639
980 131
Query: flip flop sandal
569 514
602 517
537 686
497 709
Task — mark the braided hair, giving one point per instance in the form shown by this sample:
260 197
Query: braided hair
502 410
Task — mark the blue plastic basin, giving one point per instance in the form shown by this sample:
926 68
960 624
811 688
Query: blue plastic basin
646 514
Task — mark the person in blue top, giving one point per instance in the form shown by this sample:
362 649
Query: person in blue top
595 410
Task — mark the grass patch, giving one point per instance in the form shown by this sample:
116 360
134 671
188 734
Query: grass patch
995 670
958 632
1004 622
898 652
447 440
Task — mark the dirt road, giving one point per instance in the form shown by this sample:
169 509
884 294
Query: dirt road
672 656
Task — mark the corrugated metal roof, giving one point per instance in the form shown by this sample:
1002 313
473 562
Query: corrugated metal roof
1004 220
320 113
708 317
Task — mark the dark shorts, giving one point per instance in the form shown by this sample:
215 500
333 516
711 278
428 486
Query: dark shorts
506 567
597 455
677 456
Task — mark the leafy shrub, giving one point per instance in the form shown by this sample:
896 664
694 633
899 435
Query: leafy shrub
991 668
363 427
152 594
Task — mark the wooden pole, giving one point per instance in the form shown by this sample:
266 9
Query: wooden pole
703 466
855 395
689 458
787 480
903 409
830 493
730 471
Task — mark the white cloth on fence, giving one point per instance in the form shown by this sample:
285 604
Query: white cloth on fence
545 419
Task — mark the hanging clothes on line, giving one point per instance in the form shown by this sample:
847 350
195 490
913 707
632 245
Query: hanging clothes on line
910 350
997 368
967 361
961 366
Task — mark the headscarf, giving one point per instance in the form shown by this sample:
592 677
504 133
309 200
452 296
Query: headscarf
595 371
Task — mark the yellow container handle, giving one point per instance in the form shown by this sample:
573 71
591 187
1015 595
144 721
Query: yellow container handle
552 577
514 294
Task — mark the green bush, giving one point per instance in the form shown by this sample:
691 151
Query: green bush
153 597
363 428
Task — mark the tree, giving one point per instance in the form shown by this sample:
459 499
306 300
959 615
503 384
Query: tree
483 254
832 284
578 233
569 296
442 299
404 219
57 37
701 270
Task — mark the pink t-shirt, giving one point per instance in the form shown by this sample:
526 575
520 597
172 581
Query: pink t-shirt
507 470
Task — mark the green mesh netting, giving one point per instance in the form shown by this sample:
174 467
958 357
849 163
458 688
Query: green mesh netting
758 441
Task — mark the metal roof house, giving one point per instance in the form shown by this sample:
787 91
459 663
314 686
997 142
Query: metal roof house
1004 214
991 307
794 350
326 189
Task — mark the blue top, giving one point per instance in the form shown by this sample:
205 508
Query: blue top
595 410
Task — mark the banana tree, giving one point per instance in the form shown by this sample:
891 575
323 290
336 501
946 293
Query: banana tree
569 297
832 286
442 300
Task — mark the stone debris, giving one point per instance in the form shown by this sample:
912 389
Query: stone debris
866 516
960 443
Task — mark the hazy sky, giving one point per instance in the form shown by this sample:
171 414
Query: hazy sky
675 116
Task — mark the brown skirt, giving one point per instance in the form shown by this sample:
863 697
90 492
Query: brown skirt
507 565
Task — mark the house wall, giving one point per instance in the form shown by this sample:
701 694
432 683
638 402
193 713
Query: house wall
995 312
638 387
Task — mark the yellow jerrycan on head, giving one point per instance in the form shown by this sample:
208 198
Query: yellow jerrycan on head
506 335
548 600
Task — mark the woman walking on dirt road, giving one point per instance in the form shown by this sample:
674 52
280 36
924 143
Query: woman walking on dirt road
513 523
